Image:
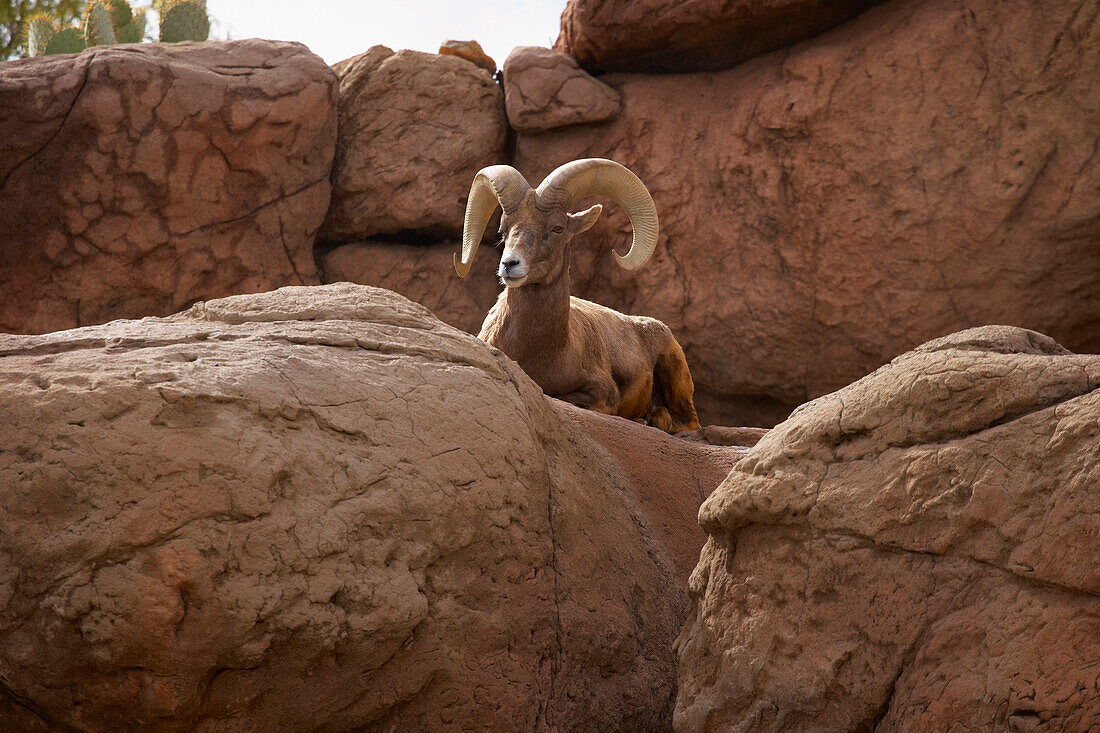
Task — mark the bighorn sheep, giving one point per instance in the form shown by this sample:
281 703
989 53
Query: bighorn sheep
578 351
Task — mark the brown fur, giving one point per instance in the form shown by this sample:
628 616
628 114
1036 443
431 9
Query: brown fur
579 351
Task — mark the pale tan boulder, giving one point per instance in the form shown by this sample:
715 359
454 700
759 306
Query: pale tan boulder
414 129
323 509
916 551
545 89
471 51
137 179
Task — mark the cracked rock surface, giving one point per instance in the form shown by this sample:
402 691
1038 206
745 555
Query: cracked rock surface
917 551
701 35
422 273
544 89
928 167
414 130
323 509
138 179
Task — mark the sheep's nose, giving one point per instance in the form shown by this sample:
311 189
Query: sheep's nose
509 263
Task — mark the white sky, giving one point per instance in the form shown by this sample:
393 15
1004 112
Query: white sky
338 29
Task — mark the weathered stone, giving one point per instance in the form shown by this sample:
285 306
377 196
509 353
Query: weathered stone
471 51
414 271
706 35
914 552
321 508
925 168
544 89
672 475
414 129
137 179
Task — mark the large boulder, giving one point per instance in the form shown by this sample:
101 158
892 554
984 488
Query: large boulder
423 273
323 509
414 129
925 168
918 551
138 179
705 35
544 89
471 51
666 471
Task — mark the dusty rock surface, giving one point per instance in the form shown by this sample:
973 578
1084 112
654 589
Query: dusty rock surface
544 89
917 551
704 35
318 509
666 469
414 129
415 272
138 179
471 51
925 168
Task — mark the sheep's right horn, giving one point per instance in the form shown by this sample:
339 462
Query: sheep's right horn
501 184
572 182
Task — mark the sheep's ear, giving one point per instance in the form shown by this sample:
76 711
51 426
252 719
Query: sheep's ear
583 220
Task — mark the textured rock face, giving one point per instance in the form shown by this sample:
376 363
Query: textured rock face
544 89
138 179
914 552
414 129
318 509
423 273
471 51
668 471
705 35
925 168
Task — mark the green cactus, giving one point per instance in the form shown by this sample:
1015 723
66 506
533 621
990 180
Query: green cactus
40 29
66 40
121 14
133 31
99 28
44 37
108 22
162 6
184 20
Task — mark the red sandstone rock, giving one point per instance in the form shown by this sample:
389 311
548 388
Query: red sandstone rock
419 273
137 179
668 472
323 509
925 168
917 551
471 51
544 89
414 129
701 35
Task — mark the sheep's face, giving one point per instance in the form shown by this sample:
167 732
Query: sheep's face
535 242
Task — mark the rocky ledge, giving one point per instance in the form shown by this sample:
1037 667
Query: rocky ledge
321 508
917 551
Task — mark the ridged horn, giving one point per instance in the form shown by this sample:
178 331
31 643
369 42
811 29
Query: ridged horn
497 184
572 182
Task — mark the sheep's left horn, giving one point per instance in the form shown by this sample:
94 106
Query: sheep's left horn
501 184
601 177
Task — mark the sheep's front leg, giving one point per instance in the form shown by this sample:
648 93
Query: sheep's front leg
597 396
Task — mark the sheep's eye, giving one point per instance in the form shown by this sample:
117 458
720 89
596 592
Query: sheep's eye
557 230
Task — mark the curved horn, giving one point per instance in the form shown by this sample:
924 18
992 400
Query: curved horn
601 177
501 184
